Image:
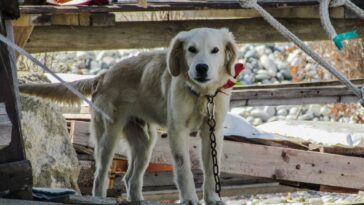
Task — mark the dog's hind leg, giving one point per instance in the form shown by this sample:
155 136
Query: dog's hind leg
104 150
141 137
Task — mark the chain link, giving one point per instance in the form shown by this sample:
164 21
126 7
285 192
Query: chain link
212 124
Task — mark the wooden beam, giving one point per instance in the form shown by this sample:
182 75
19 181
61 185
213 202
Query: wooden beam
271 162
5 127
155 5
232 191
9 94
158 34
292 94
15 171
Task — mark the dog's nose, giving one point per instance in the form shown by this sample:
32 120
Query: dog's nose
202 69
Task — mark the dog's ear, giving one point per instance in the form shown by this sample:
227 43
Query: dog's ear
176 61
230 51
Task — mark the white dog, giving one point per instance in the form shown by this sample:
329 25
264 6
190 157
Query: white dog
159 88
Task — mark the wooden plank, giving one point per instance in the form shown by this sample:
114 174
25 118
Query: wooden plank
276 163
232 191
284 95
155 5
326 83
102 19
9 94
16 177
78 117
5 127
26 202
325 188
355 151
289 12
159 34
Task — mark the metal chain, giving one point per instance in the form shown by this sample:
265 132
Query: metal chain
212 124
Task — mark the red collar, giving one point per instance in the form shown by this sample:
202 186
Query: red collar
239 67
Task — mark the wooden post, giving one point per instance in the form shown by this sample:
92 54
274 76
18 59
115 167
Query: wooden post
17 180
5 127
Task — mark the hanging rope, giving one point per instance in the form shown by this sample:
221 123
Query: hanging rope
338 39
290 36
45 68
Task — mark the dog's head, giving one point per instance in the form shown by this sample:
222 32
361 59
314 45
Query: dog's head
206 56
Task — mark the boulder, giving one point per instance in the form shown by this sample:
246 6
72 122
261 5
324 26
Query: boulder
47 145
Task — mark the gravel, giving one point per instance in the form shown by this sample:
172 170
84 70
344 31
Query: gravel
297 198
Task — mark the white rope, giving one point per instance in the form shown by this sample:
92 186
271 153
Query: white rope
350 5
325 18
290 36
64 83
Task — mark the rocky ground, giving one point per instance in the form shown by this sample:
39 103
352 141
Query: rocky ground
298 198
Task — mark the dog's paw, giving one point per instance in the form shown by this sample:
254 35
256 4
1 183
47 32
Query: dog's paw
191 202
214 202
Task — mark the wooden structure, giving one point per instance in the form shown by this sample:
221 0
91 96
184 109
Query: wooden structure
15 170
53 28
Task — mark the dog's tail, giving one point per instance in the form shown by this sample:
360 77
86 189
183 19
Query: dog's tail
58 92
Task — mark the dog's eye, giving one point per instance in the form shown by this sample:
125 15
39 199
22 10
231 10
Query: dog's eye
215 50
192 49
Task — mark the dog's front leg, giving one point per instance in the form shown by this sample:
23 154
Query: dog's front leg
178 138
210 195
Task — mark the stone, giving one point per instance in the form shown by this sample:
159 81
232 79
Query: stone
325 111
315 201
262 76
291 117
307 116
315 109
292 56
260 49
260 113
48 145
294 111
286 74
268 63
270 110
251 54
282 112
280 76
257 121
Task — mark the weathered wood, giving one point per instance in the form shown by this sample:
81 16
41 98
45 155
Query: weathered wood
354 151
102 19
9 95
26 202
16 177
77 117
5 127
276 162
287 96
233 191
326 83
325 188
9 9
155 5
159 34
